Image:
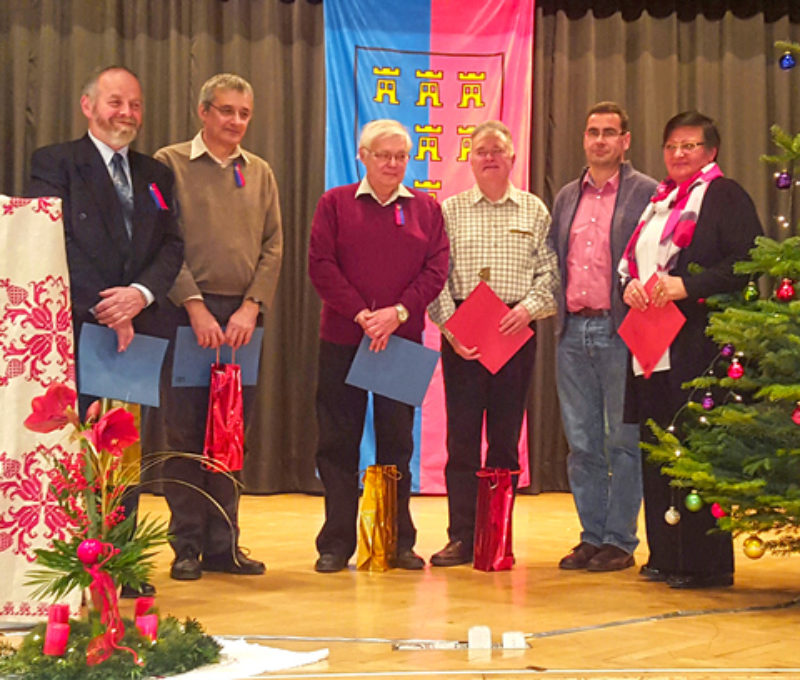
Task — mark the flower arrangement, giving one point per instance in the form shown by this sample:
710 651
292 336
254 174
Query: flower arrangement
88 487
106 550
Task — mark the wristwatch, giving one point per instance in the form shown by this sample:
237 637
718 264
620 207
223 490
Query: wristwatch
402 313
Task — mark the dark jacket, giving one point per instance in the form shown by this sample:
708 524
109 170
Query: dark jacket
99 253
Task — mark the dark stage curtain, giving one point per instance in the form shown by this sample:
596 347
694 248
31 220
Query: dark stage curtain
655 58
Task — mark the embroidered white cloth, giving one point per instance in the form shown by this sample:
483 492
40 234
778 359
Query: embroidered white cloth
242 659
36 349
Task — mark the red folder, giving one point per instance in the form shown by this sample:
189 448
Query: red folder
649 333
475 324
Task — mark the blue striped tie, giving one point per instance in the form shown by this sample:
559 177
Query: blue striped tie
124 191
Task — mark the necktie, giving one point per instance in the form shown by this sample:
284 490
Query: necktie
124 191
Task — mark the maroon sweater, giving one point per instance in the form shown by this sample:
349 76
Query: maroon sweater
359 257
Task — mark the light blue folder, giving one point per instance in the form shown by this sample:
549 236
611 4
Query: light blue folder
192 364
402 371
132 375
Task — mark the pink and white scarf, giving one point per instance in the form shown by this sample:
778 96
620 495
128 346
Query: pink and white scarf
685 207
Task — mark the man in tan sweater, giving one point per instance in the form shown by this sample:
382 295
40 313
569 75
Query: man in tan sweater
230 221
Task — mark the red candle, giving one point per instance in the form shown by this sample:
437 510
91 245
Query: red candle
148 625
143 605
58 613
55 639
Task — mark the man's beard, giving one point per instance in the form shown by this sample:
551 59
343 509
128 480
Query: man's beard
120 135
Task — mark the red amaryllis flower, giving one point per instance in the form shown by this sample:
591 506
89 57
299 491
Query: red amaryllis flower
114 431
93 412
49 411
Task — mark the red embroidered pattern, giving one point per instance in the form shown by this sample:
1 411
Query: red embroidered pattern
35 324
32 514
36 609
40 205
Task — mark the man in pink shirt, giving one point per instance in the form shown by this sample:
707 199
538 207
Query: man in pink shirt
593 218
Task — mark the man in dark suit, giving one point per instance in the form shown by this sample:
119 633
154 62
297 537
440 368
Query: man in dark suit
124 247
122 259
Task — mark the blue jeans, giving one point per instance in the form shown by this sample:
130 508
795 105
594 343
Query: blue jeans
604 463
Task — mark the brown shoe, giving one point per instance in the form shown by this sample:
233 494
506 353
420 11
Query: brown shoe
454 553
610 558
579 557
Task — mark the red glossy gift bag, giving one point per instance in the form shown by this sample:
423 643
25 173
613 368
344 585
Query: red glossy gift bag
224 442
492 548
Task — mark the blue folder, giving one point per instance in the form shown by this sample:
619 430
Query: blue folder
192 364
402 371
132 375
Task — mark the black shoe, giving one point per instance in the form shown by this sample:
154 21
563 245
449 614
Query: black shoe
687 581
242 565
453 554
330 562
186 569
653 574
408 559
145 590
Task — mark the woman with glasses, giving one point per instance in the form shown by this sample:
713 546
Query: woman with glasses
696 226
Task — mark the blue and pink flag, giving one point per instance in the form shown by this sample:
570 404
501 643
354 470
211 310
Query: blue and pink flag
440 67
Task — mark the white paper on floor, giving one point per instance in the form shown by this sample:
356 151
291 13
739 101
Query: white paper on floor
242 659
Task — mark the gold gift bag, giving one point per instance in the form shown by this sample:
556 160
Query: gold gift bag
377 521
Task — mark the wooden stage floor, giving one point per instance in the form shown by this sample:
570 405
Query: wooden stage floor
577 624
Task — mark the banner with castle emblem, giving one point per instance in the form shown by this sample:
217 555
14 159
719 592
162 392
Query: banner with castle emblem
36 349
440 67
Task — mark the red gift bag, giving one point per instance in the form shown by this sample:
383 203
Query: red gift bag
225 421
492 548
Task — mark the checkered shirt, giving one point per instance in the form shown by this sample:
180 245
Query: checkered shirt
503 243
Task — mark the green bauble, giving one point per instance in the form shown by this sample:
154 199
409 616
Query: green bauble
751 291
693 502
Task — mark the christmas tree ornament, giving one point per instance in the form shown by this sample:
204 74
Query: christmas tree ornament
783 180
89 550
787 61
693 502
672 516
785 291
727 350
754 547
708 401
717 510
796 414
735 370
751 291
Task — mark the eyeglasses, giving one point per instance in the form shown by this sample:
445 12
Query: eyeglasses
688 147
490 153
609 133
385 156
230 112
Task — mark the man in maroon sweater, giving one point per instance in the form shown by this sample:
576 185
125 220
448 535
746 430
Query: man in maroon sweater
378 256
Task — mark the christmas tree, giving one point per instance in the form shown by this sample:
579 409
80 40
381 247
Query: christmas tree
736 442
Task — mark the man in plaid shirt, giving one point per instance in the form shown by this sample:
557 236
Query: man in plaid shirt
498 234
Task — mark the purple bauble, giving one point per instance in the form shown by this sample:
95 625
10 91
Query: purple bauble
708 401
89 550
783 180
727 350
